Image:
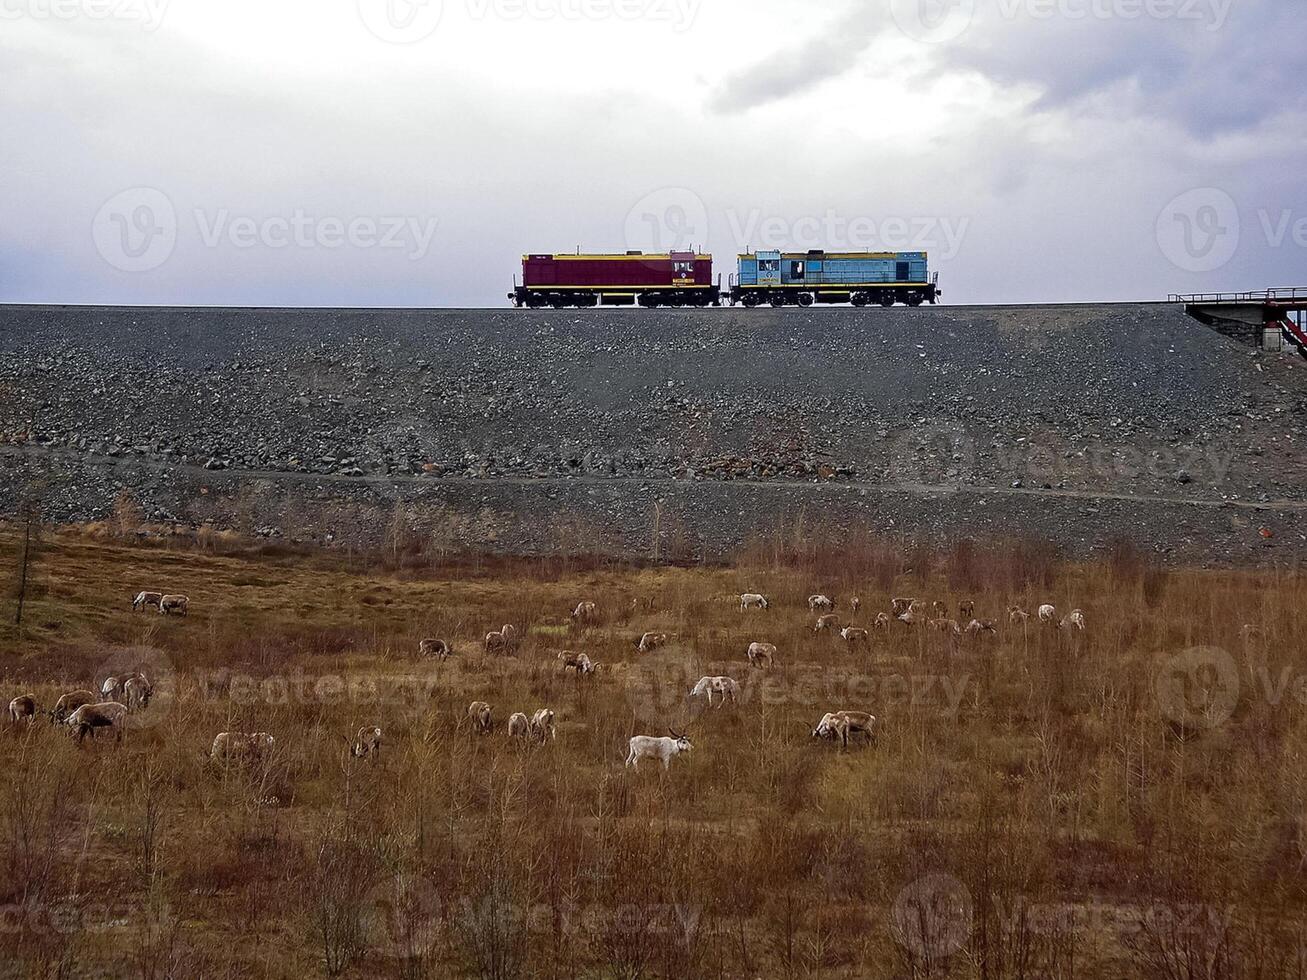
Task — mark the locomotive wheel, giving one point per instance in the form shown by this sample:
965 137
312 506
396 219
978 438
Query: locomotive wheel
675 302
558 303
805 299
750 301
535 302
649 302
914 299
886 300
778 299
859 299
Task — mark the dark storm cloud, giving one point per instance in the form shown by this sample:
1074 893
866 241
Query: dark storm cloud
789 72
1208 66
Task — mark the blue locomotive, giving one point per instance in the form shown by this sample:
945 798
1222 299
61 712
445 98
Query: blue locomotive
860 278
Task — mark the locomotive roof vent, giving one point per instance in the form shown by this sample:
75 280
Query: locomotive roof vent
816 251
634 251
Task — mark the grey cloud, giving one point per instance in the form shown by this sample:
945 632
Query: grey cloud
1207 67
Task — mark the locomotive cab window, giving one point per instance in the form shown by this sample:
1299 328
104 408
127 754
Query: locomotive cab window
902 272
683 270
796 270
769 265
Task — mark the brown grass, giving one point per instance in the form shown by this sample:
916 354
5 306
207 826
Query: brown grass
1028 808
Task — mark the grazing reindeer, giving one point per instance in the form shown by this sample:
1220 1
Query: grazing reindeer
434 648
843 724
146 599
1075 621
68 703
90 717
367 744
724 686
651 641
648 747
826 624
241 746
22 708
542 725
518 725
585 612
579 662
478 713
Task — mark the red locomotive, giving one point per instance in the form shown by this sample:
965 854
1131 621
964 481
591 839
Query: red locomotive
674 279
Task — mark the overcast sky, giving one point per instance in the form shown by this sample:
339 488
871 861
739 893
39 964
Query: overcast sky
397 153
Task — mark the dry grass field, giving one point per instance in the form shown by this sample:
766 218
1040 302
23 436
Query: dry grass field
1127 801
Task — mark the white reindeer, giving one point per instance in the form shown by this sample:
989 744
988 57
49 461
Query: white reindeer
649 747
725 686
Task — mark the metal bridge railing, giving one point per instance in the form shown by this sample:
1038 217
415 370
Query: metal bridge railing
1281 294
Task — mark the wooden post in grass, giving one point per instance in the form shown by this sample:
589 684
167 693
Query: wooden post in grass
29 513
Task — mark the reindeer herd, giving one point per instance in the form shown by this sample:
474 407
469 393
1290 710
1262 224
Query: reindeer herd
86 712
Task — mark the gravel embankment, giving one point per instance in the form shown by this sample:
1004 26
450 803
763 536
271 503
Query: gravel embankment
1076 422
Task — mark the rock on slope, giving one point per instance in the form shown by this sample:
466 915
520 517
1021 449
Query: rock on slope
509 423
